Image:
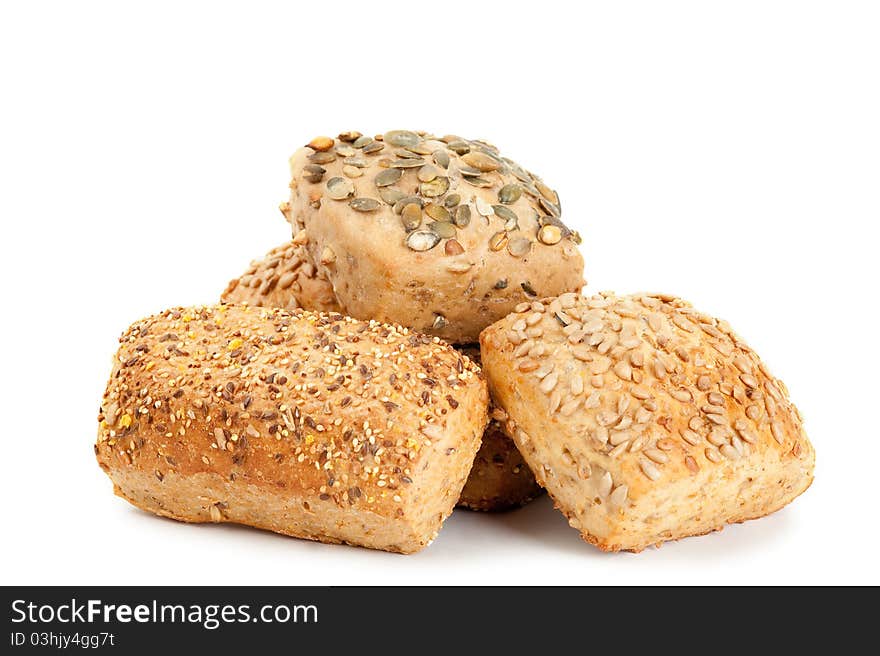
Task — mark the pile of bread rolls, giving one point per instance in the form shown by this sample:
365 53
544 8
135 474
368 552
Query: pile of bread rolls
423 342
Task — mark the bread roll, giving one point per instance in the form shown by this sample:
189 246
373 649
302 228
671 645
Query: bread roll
315 426
284 278
500 479
441 234
644 419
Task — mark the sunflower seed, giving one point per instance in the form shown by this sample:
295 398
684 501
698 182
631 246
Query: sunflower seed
364 204
453 247
321 144
528 289
391 196
441 158
519 247
501 284
401 138
388 177
452 200
549 234
481 161
428 172
498 241
422 240
618 496
459 266
339 188
411 216
436 187
649 469
443 229
322 157
509 193
437 212
462 216
313 172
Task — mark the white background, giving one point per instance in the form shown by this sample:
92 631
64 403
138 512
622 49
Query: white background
725 152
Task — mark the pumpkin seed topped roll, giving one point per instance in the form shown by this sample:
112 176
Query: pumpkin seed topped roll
442 234
312 425
645 419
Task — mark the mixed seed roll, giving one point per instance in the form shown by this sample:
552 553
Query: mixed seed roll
439 233
311 425
645 419
284 278
500 479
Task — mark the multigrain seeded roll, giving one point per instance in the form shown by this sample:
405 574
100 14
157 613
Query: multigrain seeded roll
500 479
438 233
315 426
644 419
284 278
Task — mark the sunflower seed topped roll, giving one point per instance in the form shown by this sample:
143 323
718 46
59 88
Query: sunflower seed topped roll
442 234
645 419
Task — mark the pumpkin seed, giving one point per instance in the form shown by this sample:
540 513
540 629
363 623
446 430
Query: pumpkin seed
362 141
443 229
373 147
428 172
549 234
351 171
459 147
401 138
506 214
321 144
313 172
344 150
453 247
408 163
419 149
547 192
469 171
509 193
364 204
391 196
519 247
350 136
339 188
406 200
481 161
462 216
436 187
422 240
322 158
498 241
406 154
441 158
477 181
452 200
483 208
550 208
388 177
437 212
411 216
357 161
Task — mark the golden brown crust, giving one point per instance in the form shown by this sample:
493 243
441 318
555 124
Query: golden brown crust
500 479
284 278
313 425
645 420
456 255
